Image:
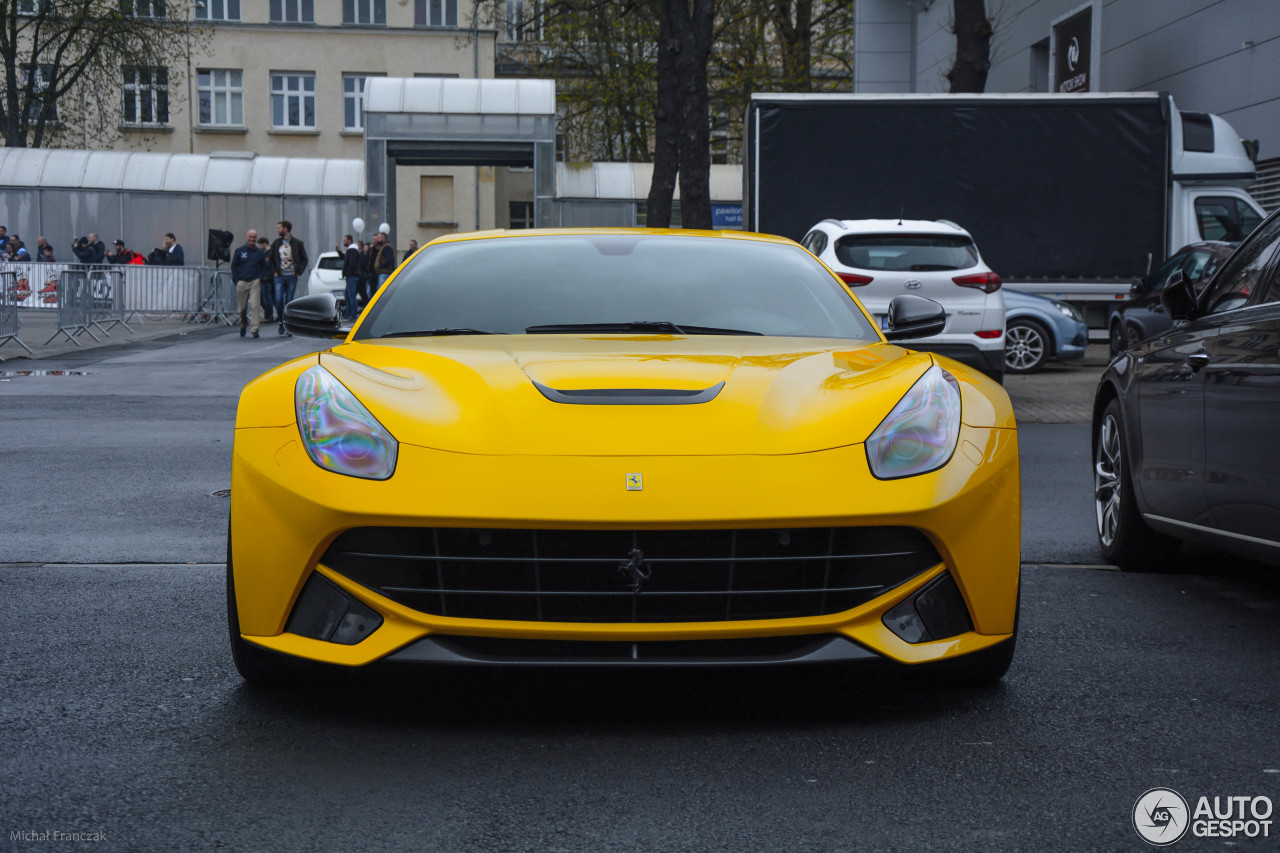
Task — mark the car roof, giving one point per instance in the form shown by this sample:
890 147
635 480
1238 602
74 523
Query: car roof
898 226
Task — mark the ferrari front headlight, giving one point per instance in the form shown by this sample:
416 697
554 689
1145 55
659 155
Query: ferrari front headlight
921 431
339 433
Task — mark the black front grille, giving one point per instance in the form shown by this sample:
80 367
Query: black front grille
584 575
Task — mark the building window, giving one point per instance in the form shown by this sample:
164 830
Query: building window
524 20
219 10
293 12
521 214
371 12
435 13
143 8
353 100
35 103
293 101
221 98
146 95
28 7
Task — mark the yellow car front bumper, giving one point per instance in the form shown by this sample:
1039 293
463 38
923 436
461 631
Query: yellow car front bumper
286 512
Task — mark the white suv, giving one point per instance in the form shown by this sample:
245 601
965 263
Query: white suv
882 258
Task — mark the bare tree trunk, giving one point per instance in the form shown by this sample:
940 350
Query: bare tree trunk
695 121
973 47
666 131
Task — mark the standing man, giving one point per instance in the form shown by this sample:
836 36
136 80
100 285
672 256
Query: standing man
124 255
248 268
173 249
385 259
90 250
288 261
351 272
268 284
413 247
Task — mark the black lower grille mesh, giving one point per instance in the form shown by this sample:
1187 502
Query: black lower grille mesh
588 575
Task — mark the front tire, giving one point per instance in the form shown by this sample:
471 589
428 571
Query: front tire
1124 537
1026 346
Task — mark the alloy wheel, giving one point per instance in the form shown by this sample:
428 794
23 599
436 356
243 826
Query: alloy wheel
1024 348
1106 480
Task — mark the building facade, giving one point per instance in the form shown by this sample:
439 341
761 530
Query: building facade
285 78
1214 56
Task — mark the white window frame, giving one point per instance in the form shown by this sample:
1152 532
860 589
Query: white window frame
523 22
136 92
44 71
303 12
356 97
435 13
281 88
144 8
219 10
216 89
364 13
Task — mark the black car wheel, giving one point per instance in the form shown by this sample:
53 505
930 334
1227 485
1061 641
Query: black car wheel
1132 337
1026 346
1125 538
1116 336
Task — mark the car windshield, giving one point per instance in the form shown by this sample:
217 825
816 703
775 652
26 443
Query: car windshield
906 252
630 283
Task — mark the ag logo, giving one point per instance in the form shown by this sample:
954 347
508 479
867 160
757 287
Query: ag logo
1161 817
1073 53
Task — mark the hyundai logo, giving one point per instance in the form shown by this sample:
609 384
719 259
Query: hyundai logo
913 284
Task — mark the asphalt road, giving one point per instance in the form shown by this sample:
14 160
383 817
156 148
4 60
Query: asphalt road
120 711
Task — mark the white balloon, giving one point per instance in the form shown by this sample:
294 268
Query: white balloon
384 228
357 224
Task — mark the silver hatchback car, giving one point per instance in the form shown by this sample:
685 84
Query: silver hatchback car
882 258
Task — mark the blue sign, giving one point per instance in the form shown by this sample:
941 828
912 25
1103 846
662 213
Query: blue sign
726 216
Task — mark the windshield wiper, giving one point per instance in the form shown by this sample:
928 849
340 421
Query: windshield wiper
436 333
635 326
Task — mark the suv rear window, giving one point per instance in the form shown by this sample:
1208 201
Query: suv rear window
331 263
906 252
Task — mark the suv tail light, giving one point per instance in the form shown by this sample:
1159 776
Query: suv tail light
854 280
989 334
987 282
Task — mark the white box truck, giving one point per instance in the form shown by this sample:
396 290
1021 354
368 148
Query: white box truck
1069 196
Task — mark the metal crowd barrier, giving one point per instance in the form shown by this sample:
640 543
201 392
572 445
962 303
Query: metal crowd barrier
201 294
10 322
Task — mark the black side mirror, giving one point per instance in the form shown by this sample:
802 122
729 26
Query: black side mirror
914 317
1179 297
315 316
1140 285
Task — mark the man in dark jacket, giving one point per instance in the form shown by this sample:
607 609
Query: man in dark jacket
351 274
248 269
123 255
288 261
89 250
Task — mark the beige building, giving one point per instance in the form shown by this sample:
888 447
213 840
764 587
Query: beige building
285 78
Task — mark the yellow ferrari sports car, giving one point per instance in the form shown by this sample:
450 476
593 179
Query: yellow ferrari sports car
622 448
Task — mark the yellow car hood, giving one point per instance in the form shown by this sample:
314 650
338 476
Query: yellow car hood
477 394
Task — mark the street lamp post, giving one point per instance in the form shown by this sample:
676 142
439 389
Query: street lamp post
191 106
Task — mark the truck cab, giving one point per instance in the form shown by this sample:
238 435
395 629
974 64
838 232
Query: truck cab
1210 168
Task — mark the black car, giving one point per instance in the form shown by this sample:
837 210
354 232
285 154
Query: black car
1184 424
1143 315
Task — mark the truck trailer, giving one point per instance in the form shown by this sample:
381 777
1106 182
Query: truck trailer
1068 196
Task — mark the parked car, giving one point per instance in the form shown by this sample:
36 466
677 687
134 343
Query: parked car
1183 427
882 258
619 447
326 276
1143 315
1037 329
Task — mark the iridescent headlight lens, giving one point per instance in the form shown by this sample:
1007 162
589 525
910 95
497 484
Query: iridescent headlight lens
339 433
920 434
